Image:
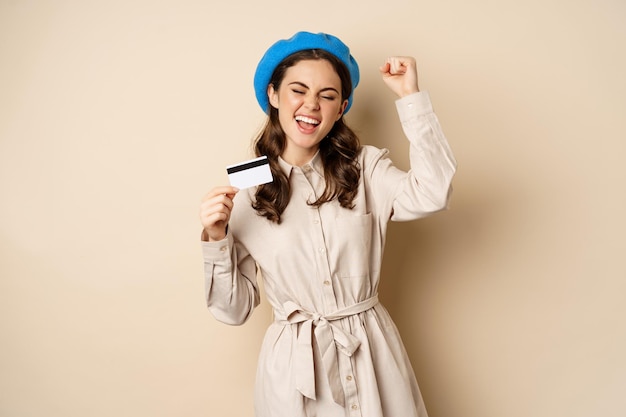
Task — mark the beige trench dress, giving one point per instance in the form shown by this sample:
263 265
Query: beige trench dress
333 350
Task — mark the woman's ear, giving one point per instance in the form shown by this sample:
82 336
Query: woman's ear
272 96
342 110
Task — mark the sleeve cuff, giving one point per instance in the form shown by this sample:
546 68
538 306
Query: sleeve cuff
217 250
413 105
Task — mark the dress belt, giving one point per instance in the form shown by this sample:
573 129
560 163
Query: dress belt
329 337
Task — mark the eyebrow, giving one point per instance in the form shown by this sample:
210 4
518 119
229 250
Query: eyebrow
307 87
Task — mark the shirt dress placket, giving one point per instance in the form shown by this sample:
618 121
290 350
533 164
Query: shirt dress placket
313 186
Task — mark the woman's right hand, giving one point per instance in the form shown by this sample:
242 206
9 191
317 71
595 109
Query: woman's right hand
215 212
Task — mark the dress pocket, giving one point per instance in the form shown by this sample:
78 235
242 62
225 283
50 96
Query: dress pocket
354 238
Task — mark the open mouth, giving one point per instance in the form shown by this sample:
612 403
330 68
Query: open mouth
307 123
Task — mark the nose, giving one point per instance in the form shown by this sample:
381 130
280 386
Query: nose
311 101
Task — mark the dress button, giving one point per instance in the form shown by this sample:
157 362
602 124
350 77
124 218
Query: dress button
322 250
349 377
224 248
326 282
355 407
316 221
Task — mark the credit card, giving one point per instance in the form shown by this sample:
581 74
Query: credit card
250 173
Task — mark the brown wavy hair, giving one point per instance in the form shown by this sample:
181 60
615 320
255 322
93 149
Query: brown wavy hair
338 150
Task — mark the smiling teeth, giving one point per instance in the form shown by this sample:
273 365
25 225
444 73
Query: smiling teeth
307 120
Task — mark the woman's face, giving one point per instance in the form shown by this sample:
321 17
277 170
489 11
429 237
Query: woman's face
309 103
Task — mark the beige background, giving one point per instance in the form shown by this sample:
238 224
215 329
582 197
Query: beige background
117 116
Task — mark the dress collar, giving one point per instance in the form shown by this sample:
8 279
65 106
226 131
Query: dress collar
315 164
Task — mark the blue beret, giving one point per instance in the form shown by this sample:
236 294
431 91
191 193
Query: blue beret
299 42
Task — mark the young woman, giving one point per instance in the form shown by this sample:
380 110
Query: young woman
317 233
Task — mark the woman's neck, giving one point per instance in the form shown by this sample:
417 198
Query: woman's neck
299 159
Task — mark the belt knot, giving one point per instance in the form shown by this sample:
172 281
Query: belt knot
330 338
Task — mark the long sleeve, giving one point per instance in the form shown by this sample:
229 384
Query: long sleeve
231 288
426 188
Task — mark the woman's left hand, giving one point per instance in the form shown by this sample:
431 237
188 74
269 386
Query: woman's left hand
400 75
